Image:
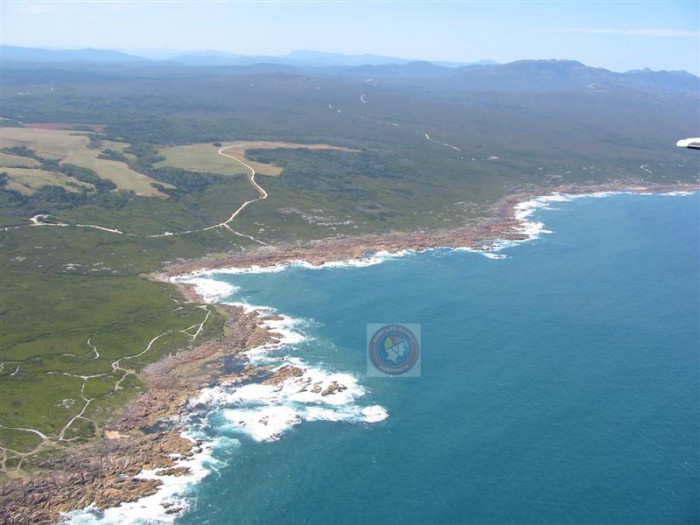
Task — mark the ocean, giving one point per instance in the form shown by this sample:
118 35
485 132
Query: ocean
558 384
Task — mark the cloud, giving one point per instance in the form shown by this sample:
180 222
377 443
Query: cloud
628 32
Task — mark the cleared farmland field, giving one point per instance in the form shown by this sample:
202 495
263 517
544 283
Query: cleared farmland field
118 172
117 146
205 157
47 143
28 180
17 161
71 147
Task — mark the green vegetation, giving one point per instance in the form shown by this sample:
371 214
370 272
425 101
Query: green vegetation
78 314
47 143
28 180
116 171
17 161
73 304
94 309
119 147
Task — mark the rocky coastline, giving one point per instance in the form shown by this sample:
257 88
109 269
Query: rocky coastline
104 473
501 225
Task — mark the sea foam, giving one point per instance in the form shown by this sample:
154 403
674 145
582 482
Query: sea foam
264 412
172 493
211 290
678 193
374 259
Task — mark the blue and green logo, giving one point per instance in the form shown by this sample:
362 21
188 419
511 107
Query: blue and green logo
393 349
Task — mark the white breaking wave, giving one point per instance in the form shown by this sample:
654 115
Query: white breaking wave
172 494
265 412
212 290
377 258
678 193
524 210
286 328
534 229
263 423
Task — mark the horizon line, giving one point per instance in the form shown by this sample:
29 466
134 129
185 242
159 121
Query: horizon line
136 52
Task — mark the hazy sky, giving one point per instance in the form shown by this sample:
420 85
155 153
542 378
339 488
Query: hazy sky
616 35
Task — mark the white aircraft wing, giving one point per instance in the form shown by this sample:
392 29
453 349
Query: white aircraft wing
689 143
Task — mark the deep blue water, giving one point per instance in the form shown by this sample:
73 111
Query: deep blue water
559 385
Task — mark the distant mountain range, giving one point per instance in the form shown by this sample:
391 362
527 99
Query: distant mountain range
300 58
31 54
568 75
524 76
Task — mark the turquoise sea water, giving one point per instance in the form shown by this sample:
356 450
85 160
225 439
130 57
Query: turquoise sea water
558 385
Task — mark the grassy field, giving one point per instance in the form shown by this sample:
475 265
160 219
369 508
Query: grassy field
47 143
70 147
206 157
117 146
118 172
239 149
28 180
17 161
199 158
113 144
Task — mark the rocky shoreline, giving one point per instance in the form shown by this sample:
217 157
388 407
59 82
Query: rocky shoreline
502 225
103 473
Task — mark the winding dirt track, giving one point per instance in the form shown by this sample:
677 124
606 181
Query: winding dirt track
56 439
37 220
251 178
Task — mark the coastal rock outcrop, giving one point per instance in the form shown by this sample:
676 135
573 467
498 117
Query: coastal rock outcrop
144 436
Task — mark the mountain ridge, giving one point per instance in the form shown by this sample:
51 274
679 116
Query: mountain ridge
526 76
